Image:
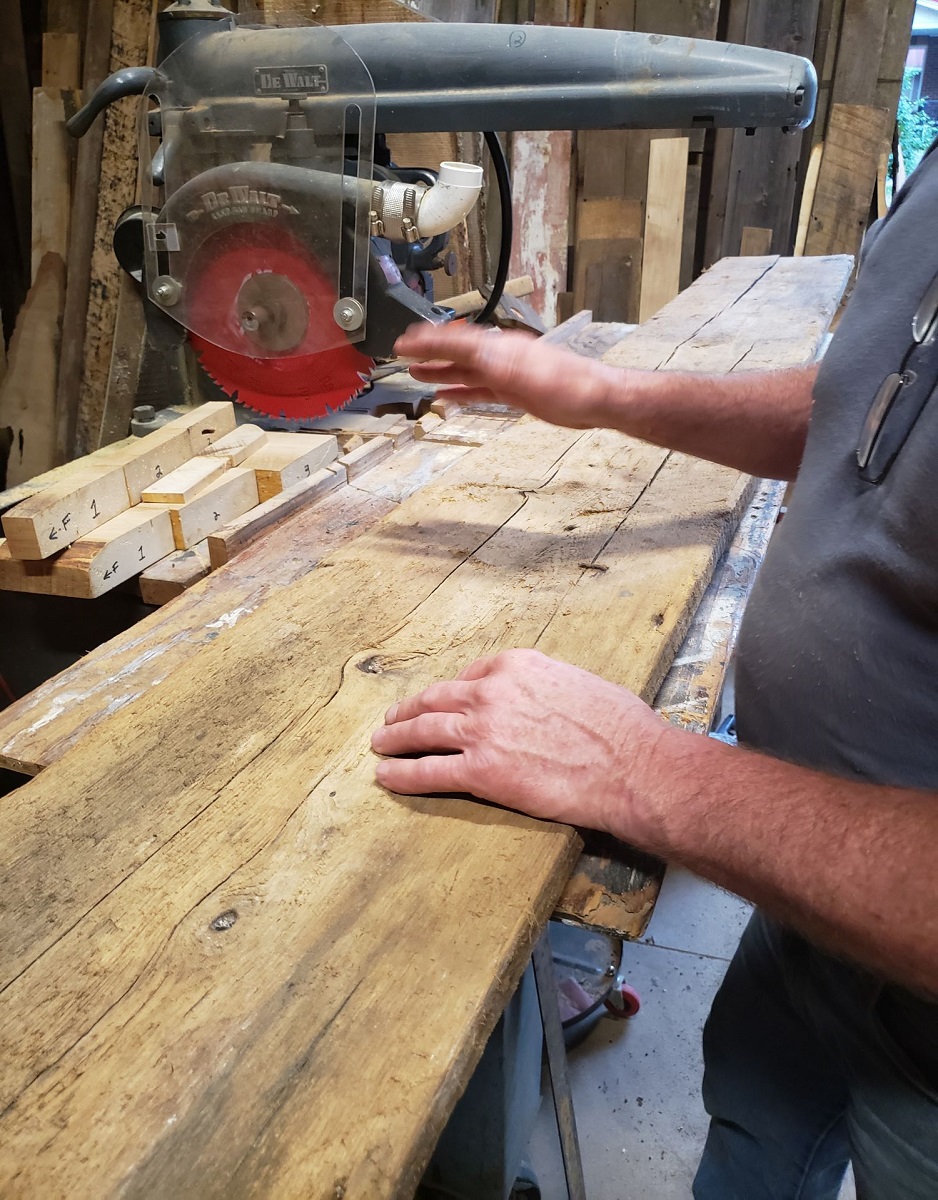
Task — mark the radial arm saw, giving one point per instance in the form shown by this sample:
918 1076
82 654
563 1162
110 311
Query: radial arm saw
279 245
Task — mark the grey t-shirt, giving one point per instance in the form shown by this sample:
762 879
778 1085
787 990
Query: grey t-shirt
838 653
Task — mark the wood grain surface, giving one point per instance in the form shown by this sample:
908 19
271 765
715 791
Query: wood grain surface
229 963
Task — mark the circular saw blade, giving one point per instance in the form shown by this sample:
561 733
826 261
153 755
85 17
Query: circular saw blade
318 372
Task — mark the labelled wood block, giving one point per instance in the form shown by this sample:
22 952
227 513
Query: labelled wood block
185 483
233 537
238 445
152 457
289 458
208 423
60 515
156 456
230 496
115 552
174 574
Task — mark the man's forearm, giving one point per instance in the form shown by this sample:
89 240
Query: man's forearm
755 421
851 865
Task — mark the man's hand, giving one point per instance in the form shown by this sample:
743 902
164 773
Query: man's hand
529 733
509 368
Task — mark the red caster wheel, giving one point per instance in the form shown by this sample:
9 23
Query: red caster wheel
623 1002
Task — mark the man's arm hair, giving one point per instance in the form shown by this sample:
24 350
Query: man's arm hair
756 421
850 865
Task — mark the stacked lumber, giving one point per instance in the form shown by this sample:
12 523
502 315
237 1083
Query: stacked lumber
155 501
166 509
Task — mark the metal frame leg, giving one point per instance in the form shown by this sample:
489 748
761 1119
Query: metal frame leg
557 1066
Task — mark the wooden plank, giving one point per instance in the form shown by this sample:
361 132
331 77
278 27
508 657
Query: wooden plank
608 218
185 483
366 457
234 934
27 390
664 218
860 48
61 60
174 574
807 197
228 497
468 429
607 277
51 203
290 458
755 241
238 445
130 43
475 301
116 551
233 537
855 139
763 169
82 232
66 16
60 515
541 164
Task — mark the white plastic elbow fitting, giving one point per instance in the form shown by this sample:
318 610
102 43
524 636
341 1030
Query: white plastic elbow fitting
450 200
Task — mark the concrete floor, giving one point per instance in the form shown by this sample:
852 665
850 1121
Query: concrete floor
636 1084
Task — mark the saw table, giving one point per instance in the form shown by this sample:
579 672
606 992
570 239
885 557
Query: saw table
229 963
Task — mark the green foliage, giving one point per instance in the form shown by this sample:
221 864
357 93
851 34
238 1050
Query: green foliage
917 130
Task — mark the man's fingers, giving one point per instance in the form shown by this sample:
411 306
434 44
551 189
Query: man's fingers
446 374
429 731
422 776
448 697
494 355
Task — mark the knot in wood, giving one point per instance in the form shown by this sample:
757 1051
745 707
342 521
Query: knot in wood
224 921
372 665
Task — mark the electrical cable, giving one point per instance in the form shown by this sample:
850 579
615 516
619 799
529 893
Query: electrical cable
503 179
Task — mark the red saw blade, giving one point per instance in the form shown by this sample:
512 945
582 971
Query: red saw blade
314 376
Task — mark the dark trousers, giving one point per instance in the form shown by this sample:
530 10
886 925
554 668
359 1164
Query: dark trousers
810 1063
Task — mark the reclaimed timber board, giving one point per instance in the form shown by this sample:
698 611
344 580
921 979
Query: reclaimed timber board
664 223
96 67
261 900
290 458
856 138
131 43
